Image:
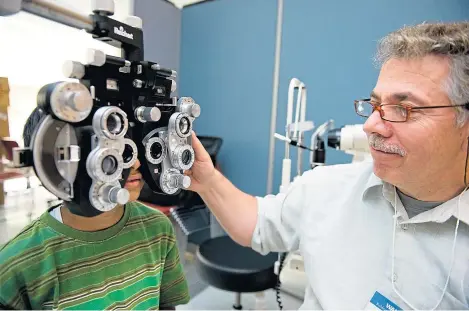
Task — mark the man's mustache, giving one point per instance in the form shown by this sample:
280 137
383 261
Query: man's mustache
378 142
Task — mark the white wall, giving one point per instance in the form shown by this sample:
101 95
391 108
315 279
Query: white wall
33 50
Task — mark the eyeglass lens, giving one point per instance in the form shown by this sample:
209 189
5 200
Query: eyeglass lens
388 112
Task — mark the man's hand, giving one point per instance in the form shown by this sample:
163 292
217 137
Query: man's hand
226 202
202 171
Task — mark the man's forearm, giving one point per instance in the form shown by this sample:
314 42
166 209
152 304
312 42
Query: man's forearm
235 210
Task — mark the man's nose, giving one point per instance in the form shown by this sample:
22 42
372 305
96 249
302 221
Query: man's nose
136 165
374 124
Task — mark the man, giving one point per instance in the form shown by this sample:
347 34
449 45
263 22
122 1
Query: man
388 234
126 258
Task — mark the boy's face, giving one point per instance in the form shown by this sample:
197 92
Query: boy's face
135 182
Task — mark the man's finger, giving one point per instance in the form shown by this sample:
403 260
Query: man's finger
200 153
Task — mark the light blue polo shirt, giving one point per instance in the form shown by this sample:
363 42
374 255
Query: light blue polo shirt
341 219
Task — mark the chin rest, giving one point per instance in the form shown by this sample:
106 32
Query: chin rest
226 265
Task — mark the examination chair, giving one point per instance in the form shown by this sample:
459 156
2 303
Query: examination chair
226 265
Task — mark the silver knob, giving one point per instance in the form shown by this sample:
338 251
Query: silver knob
137 83
71 101
179 181
134 21
147 114
79 101
74 70
192 110
116 195
188 105
105 7
95 57
10 7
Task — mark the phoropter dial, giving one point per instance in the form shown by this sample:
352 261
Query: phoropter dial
105 196
183 157
171 181
104 164
129 154
68 101
110 122
181 124
188 105
155 150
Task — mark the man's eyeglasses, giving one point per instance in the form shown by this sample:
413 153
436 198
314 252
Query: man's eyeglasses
392 112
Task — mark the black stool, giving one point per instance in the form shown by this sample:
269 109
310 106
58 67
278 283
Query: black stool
226 265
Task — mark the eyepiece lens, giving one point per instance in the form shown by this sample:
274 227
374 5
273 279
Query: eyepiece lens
127 154
186 157
109 165
184 125
114 123
156 150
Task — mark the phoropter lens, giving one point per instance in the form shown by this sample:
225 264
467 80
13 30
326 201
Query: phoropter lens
156 150
127 154
184 125
186 157
114 123
109 165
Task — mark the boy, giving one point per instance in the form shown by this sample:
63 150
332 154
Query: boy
126 258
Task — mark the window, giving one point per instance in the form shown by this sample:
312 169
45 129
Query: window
33 49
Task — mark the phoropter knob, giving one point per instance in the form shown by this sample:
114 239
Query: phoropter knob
104 7
179 181
147 114
116 195
189 106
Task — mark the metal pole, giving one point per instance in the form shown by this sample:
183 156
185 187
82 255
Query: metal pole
57 14
273 119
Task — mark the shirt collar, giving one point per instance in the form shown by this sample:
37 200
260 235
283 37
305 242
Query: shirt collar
439 214
372 182
445 211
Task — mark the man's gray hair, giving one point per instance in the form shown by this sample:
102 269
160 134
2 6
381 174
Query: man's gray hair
448 39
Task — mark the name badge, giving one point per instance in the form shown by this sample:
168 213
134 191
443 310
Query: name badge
379 302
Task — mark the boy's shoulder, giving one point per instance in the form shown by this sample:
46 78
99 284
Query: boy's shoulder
30 245
32 237
152 217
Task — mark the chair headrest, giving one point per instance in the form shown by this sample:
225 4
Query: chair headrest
211 143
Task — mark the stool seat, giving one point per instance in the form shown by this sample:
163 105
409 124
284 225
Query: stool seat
226 265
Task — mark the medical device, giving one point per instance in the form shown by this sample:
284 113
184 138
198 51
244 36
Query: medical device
115 110
318 154
352 140
291 142
294 131
294 136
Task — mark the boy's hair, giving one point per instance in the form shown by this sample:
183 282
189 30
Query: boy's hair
31 124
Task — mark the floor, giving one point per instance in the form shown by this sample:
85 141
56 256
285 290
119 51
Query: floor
21 207
216 299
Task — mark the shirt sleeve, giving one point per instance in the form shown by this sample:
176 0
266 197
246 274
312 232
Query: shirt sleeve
278 222
174 289
12 293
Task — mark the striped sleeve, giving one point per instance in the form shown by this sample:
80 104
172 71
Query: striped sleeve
4 306
174 289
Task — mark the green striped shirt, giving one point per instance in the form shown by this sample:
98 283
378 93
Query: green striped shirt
131 265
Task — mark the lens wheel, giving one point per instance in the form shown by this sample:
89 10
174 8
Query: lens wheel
183 157
130 143
149 150
94 164
183 121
